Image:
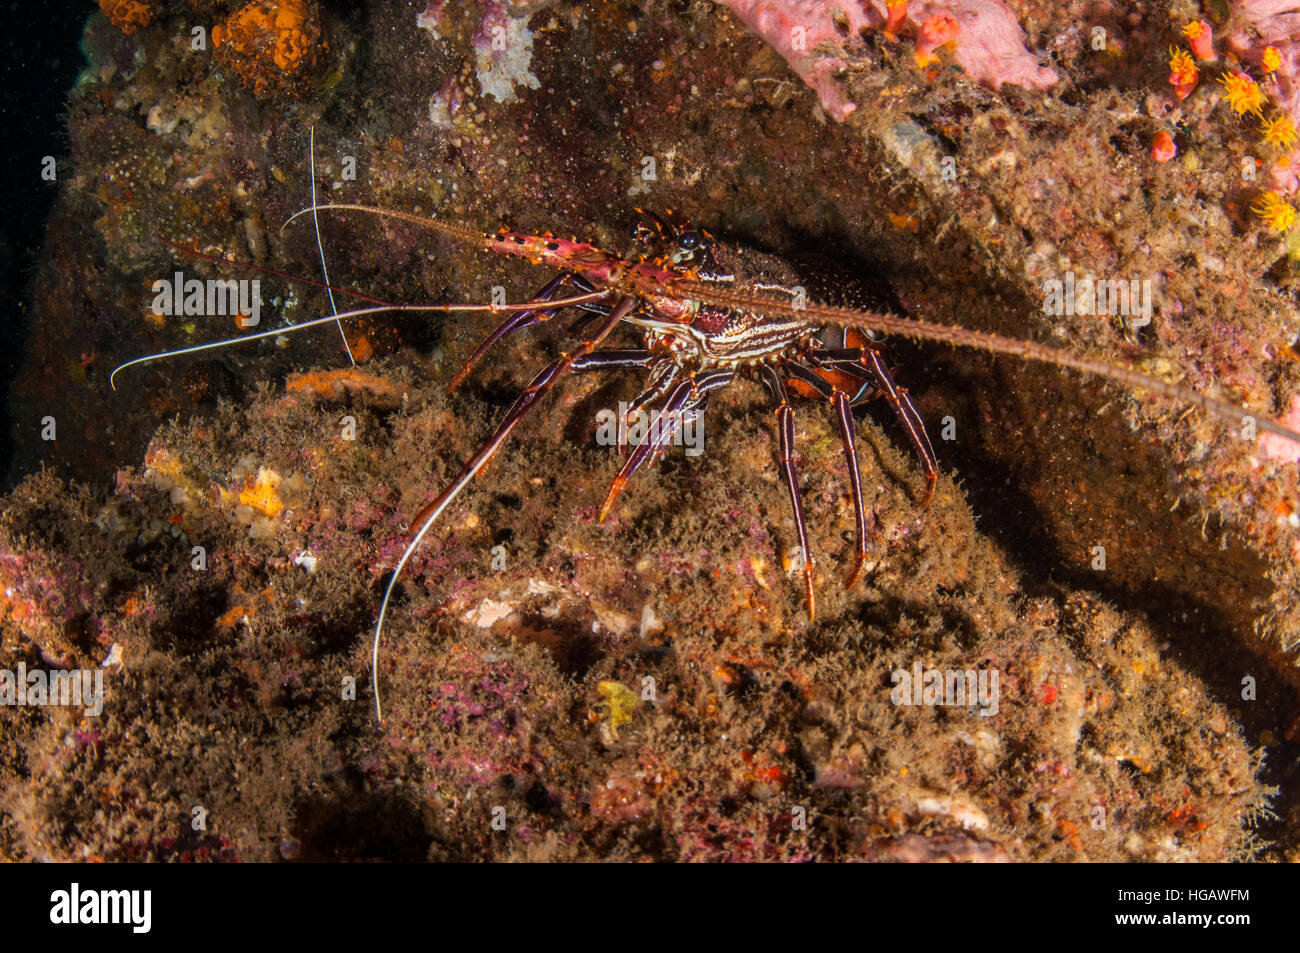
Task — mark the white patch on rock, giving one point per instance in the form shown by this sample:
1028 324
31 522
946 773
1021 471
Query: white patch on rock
488 613
114 657
956 806
504 47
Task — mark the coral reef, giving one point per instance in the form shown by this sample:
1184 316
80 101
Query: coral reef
650 687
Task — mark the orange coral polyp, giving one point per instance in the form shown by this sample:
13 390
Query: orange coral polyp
937 30
1201 38
897 14
1163 147
1279 132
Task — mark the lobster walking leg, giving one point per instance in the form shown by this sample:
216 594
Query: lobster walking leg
688 397
621 360
867 364
537 389
661 381
785 427
515 322
672 410
843 405
844 412
534 392
591 312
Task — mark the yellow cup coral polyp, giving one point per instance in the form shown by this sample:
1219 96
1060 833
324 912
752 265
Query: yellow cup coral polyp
273 45
1242 92
129 16
1279 131
1182 73
1276 212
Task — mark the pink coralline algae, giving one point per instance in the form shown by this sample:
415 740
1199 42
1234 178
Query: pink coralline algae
1274 449
432 16
989 44
42 597
1261 24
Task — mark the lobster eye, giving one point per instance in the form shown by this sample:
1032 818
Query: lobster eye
689 241
641 232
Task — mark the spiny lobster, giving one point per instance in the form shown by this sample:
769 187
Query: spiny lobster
706 313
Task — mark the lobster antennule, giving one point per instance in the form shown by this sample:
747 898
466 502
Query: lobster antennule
320 246
981 341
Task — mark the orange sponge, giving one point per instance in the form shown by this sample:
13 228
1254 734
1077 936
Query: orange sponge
129 15
274 46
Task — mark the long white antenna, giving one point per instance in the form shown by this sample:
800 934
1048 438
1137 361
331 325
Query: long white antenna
411 547
575 301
